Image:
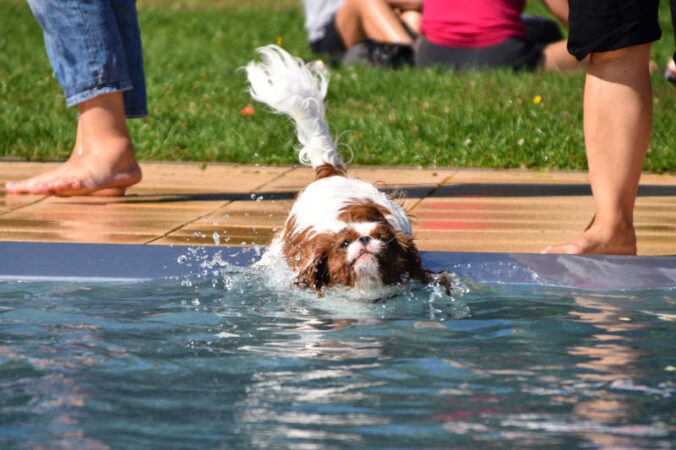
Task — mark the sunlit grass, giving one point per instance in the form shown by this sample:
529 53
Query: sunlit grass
410 117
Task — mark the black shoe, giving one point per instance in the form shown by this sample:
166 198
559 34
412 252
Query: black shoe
389 55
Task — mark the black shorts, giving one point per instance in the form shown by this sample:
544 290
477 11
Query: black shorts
517 53
514 52
330 43
605 25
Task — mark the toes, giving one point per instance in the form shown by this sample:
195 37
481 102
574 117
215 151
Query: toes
66 187
26 188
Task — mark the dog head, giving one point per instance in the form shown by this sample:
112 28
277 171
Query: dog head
366 253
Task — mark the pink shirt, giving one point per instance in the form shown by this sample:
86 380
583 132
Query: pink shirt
472 23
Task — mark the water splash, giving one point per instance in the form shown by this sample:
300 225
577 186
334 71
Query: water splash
271 282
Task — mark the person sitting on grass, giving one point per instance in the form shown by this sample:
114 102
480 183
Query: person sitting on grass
462 34
335 26
95 51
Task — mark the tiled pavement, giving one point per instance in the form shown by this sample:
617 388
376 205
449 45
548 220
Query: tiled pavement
453 210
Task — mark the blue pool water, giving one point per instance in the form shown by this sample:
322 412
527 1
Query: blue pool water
225 358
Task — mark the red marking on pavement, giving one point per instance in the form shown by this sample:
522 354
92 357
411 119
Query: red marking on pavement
455 225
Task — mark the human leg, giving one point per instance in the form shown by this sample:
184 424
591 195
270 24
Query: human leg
557 58
617 125
412 20
92 60
103 160
357 20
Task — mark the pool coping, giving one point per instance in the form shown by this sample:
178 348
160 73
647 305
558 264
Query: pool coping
37 261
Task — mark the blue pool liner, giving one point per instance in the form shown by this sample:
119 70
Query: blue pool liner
35 261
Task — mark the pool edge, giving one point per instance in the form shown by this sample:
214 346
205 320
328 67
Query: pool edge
38 261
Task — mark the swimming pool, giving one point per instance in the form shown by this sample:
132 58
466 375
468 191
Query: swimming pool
171 347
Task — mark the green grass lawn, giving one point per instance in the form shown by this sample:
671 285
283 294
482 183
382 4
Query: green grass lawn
410 117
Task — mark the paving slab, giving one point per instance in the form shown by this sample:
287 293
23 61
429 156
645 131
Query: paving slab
169 197
523 211
453 210
256 218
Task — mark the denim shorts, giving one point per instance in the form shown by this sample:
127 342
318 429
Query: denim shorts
94 47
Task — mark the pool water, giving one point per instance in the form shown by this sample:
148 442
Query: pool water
229 359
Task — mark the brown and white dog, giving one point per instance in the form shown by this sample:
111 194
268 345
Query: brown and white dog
341 232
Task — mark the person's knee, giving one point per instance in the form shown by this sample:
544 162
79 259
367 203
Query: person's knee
619 55
352 5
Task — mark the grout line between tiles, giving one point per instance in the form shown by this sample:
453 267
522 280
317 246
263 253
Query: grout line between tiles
183 225
434 190
11 210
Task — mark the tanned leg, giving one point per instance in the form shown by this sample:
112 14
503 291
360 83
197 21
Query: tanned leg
412 19
617 125
557 58
357 20
103 160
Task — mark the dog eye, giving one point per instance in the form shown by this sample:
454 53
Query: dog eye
345 244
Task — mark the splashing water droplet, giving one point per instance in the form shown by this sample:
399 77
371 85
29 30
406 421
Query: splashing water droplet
259 199
195 301
217 238
181 259
253 196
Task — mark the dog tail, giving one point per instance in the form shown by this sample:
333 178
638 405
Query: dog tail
291 87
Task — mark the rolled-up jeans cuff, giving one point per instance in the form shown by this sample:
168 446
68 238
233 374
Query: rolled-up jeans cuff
95 48
90 93
108 88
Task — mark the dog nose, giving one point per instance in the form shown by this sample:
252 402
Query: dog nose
365 240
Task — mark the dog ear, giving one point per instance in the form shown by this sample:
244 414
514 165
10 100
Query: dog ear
315 274
411 258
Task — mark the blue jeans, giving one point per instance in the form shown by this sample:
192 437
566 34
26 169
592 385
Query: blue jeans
95 48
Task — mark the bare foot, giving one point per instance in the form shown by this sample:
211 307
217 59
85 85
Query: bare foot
87 172
596 240
102 162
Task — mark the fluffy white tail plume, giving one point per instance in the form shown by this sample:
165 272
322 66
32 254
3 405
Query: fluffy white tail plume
291 87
